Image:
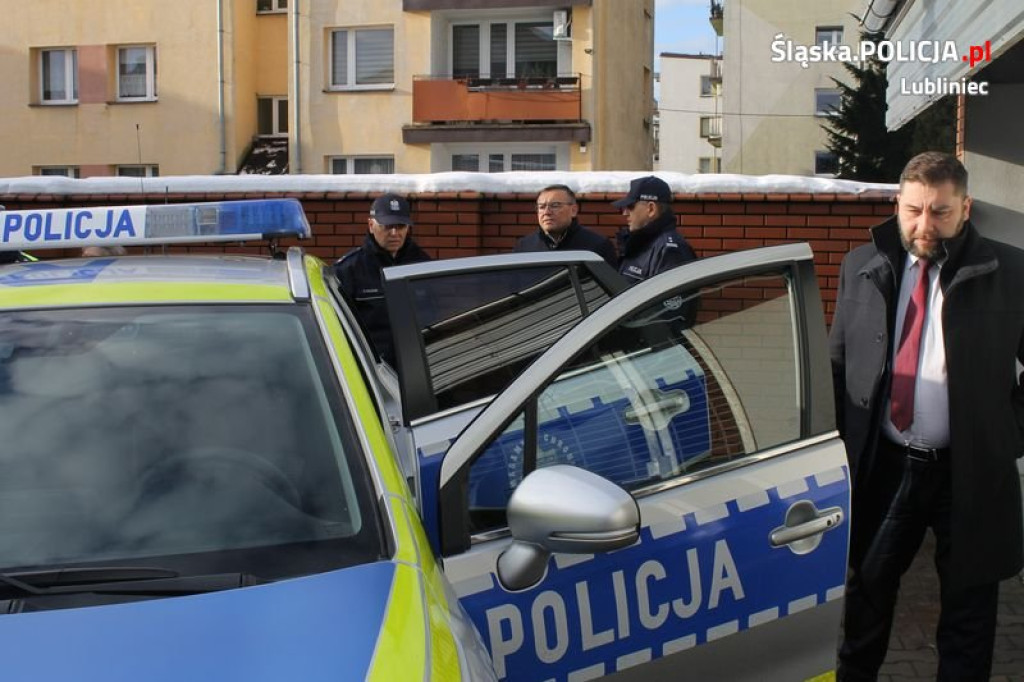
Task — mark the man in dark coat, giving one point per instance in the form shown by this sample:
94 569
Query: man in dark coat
559 229
359 271
928 328
650 243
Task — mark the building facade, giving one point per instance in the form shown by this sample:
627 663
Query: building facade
690 113
117 87
774 102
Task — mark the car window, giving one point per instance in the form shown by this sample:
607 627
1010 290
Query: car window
205 436
480 329
660 396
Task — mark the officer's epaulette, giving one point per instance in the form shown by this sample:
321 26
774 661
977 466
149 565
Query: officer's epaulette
346 257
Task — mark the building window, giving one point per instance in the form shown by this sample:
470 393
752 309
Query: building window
136 73
708 164
137 171
271 5
828 35
500 162
363 59
58 76
710 126
826 163
59 171
484 49
827 101
706 88
272 115
361 165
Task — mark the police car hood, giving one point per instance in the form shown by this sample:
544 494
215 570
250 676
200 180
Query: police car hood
321 627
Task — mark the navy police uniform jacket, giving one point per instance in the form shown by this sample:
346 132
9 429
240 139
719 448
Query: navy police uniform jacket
359 274
652 249
577 238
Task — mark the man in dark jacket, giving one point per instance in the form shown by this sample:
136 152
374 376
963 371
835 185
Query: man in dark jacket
359 271
928 328
559 229
650 243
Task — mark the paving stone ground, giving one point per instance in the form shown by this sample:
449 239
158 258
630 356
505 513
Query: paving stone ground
912 655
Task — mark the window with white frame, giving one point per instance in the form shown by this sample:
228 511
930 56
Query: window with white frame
272 115
706 86
137 171
58 76
504 49
710 126
501 161
59 171
826 163
271 5
708 164
828 35
362 59
361 165
136 72
827 101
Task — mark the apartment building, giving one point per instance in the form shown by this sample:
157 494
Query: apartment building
774 108
119 87
690 113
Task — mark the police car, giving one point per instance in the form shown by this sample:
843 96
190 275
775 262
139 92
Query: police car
206 473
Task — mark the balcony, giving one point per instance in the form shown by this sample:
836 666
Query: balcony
717 17
473 99
711 130
473 108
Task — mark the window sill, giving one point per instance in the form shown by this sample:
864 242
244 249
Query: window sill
262 12
361 88
134 100
54 104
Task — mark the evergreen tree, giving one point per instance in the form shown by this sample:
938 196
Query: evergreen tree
864 148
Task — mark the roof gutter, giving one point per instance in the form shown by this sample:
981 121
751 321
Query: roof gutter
295 123
222 119
879 14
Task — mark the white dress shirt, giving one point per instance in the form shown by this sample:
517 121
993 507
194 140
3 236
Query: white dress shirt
930 428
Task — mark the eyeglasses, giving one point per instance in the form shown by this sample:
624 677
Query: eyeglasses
552 205
393 228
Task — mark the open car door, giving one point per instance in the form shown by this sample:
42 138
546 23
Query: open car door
704 395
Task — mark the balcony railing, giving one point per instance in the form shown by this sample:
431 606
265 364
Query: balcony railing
443 99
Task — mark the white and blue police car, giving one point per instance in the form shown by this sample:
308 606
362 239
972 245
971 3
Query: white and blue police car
207 473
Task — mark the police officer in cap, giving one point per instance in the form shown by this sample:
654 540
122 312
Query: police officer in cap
650 244
359 271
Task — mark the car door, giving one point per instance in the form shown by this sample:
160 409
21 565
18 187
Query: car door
706 393
464 328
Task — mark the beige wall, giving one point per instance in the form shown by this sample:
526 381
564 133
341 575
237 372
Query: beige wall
367 122
180 133
623 84
771 126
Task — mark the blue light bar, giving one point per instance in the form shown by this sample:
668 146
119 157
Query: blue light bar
228 221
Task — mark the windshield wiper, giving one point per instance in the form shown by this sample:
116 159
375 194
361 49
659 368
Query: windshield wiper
124 580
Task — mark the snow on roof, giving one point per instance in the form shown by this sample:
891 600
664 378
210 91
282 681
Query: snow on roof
488 183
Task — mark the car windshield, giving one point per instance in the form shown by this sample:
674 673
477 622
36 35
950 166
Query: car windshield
201 439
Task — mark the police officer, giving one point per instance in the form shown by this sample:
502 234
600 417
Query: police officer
650 244
559 230
359 271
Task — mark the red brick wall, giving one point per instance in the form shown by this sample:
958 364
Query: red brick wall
453 224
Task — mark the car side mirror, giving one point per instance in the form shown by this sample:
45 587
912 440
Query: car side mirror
565 509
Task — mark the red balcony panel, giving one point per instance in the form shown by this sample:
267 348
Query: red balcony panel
436 100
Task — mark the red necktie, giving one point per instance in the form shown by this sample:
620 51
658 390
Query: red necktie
904 373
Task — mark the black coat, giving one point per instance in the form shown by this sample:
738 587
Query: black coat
983 328
359 274
652 249
577 238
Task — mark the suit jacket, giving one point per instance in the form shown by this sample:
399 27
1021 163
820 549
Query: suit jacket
983 328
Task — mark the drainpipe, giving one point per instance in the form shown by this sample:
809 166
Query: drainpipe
223 124
295 123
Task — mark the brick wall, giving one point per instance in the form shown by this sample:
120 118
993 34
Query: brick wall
453 224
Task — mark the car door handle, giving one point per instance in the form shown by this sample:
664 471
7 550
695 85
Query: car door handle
804 527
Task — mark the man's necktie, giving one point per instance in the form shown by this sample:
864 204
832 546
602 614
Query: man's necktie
904 373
